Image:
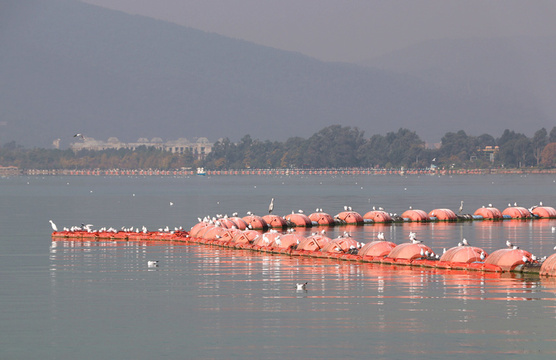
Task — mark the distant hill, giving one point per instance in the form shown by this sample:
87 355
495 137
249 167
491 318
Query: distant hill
68 67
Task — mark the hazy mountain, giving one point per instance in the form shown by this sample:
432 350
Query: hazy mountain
68 67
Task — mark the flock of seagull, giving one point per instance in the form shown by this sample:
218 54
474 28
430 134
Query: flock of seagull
89 228
299 286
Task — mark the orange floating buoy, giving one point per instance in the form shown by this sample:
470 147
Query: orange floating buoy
517 212
245 237
548 267
508 259
489 213
340 245
544 212
464 254
239 222
443 215
287 241
409 251
255 222
377 248
350 217
314 242
275 221
299 220
265 239
378 216
416 215
322 218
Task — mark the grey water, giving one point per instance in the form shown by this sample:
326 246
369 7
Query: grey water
99 300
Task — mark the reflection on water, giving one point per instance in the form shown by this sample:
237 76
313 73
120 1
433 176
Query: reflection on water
91 300
253 296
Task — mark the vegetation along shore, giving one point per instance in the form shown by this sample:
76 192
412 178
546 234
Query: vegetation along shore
334 147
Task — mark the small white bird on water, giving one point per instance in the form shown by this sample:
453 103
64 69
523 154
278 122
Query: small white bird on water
464 241
54 227
301 287
152 263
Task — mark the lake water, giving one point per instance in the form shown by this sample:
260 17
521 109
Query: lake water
99 300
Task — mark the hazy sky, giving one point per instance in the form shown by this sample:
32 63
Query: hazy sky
350 30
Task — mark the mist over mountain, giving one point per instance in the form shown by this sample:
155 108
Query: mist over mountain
68 67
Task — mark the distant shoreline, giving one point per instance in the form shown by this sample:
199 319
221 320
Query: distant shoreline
340 171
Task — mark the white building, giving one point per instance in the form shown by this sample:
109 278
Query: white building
200 148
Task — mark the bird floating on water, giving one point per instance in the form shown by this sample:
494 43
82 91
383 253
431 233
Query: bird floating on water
301 287
152 263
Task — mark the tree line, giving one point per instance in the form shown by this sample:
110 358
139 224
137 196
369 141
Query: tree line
339 146
335 146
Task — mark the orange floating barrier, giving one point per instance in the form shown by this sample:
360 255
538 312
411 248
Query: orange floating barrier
416 215
299 220
508 259
443 215
409 251
287 241
255 222
196 228
544 212
489 213
548 267
322 218
350 217
377 248
245 237
275 221
463 254
314 243
378 216
239 222
340 245
265 239
517 212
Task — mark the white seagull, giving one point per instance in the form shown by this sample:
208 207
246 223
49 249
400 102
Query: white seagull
54 227
152 263
301 287
271 206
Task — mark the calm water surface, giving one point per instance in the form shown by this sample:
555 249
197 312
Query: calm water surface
98 300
